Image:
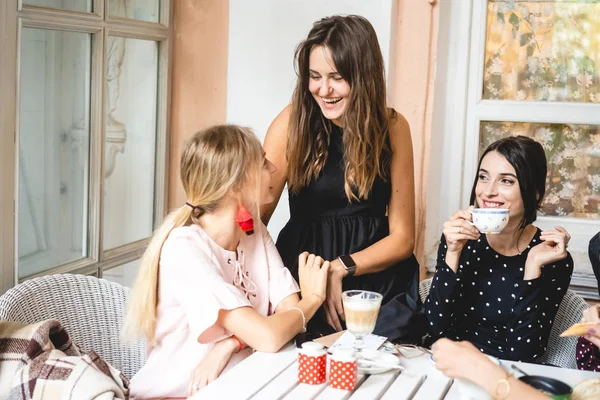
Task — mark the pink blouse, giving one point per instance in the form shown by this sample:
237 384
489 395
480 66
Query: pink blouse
198 278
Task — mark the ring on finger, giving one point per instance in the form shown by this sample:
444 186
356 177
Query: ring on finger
458 229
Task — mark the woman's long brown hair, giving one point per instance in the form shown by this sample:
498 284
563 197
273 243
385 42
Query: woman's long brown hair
353 45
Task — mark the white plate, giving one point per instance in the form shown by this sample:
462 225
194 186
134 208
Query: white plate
379 356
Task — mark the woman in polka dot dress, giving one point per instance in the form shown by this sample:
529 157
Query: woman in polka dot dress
501 292
588 346
588 353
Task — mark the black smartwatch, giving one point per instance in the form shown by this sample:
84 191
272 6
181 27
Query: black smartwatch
348 264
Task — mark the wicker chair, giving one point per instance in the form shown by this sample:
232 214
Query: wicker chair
424 289
561 350
90 309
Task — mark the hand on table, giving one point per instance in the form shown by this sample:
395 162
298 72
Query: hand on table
212 365
462 360
459 360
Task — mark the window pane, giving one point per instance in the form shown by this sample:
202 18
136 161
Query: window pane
144 10
130 140
53 157
543 51
573 154
72 5
123 274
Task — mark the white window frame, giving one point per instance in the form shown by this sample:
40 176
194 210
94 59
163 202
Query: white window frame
458 112
99 23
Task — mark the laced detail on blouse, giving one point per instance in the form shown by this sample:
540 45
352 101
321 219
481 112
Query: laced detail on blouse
241 278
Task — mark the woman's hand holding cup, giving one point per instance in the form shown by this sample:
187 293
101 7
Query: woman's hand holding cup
312 274
459 229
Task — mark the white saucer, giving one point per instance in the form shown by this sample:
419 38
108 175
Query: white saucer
379 356
411 352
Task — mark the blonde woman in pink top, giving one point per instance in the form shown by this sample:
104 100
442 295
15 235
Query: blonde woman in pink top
206 293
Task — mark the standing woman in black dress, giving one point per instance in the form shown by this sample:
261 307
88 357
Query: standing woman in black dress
347 160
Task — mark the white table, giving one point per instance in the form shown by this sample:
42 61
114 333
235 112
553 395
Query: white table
274 376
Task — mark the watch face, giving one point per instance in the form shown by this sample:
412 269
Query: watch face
348 264
347 261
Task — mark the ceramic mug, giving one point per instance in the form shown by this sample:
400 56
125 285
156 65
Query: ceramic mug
490 220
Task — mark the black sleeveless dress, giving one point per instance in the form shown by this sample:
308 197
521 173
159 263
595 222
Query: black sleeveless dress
323 222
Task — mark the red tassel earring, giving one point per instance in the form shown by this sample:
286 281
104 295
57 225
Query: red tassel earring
244 220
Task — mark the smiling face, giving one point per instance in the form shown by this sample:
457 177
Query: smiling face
498 187
329 89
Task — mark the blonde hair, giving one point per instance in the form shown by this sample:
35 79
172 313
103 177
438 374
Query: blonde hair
215 161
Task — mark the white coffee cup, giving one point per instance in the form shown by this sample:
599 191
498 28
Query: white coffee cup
490 220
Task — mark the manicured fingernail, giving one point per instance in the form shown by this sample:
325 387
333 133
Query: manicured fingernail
592 331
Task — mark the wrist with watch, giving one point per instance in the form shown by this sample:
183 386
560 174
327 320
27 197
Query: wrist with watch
348 264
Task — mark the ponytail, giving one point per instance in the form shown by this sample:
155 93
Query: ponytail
141 315
214 161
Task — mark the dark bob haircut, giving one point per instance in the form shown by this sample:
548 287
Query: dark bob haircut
529 161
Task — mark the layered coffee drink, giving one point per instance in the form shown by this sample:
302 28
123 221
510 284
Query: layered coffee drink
361 308
361 316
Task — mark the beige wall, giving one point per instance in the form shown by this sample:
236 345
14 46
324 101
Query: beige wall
414 38
200 80
199 86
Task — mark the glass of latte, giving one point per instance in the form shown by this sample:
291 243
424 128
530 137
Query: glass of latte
361 308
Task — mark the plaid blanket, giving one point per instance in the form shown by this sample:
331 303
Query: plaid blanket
40 362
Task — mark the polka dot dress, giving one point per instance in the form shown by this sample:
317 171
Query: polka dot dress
487 302
588 355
